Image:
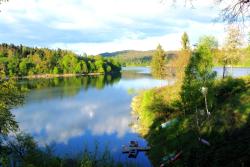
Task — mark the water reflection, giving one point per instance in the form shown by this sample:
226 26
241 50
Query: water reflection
61 87
70 112
58 120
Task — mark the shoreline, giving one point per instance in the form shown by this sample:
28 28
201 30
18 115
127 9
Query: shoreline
57 75
47 76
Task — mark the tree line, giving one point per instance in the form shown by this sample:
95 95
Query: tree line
27 61
232 52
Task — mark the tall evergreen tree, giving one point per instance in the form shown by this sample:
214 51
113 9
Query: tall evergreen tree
157 64
185 41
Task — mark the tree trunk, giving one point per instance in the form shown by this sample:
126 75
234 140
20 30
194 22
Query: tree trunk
224 71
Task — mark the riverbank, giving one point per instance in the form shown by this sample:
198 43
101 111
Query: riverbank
57 75
47 76
220 139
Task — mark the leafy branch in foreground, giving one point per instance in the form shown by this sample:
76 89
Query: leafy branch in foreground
10 96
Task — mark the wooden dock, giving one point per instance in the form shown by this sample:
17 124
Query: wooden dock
127 149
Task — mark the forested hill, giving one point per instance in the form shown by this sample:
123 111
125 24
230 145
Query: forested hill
134 57
129 53
27 61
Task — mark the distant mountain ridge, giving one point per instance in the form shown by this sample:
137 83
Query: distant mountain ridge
135 57
128 53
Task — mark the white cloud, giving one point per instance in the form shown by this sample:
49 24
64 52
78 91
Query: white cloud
96 26
169 41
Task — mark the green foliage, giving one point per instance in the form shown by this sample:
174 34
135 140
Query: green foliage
209 42
146 105
157 63
13 65
185 41
109 69
55 70
131 57
198 74
69 63
24 61
99 66
78 68
24 67
135 58
10 96
226 129
231 53
84 67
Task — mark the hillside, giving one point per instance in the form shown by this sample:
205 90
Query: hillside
134 57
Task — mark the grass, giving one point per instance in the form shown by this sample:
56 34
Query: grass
227 129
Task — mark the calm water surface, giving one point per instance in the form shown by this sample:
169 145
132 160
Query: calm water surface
73 113
234 72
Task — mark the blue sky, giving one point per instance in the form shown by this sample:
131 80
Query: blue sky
96 26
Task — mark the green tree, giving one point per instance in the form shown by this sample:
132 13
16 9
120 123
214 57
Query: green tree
21 60
36 62
3 67
99 66
231 53
199 73
13 65
23 67
69 62
78 68
92 67
185 41
55 70
157 63
10 96
84 67
108 69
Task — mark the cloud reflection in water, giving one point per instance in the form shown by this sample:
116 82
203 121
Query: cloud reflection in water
58 120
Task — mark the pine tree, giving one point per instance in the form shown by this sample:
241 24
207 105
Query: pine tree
157 64
185 41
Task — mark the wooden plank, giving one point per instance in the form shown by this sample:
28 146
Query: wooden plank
127 149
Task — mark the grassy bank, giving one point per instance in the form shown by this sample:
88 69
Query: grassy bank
221 139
